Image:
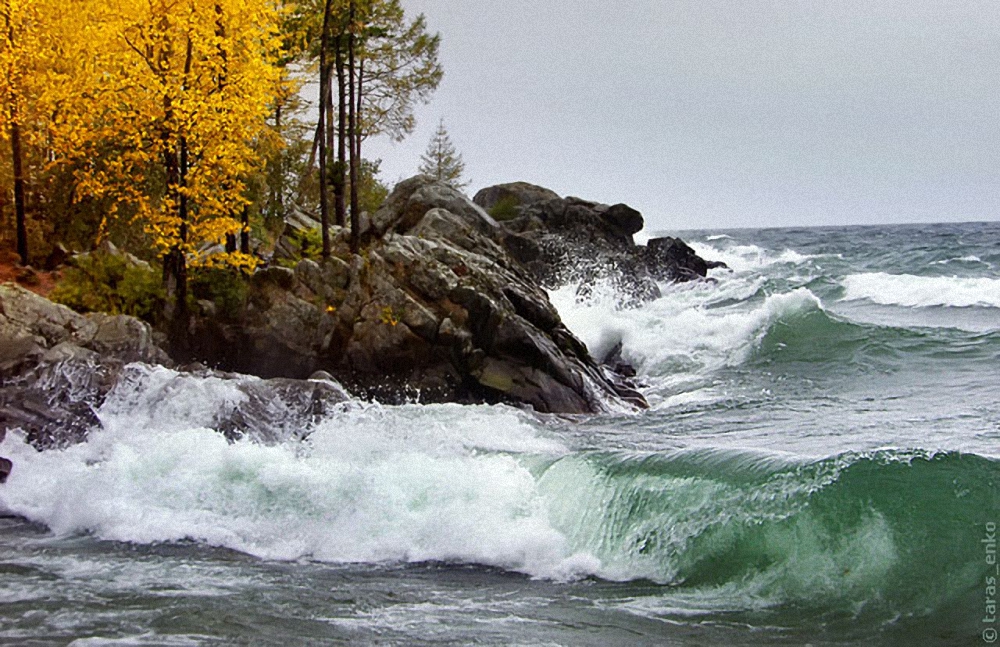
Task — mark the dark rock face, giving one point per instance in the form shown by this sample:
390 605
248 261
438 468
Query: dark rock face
671 259
435 309
569 239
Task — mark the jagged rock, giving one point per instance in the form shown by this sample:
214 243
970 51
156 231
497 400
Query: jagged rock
671 259
561 240
410 201
299 225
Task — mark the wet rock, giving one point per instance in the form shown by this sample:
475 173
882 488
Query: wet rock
671 259
56 366
280 409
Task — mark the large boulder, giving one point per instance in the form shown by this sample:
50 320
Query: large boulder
434 309
512 197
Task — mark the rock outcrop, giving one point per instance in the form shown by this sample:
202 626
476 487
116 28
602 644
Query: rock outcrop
445 303
568 239
58 367
434 309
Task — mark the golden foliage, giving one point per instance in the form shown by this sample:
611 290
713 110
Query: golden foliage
159 104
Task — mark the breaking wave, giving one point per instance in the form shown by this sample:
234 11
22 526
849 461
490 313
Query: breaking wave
487 485
922 291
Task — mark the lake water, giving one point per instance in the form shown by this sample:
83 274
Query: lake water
820 465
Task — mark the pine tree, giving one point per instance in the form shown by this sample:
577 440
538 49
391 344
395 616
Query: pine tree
442 162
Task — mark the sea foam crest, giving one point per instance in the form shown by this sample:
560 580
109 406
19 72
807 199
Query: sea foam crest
922 291
371 484
743 258
680 332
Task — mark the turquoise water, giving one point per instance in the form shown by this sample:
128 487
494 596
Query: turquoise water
820 466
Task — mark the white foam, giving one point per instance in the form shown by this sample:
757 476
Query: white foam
922 291
372 484
744 258
679 333
963 259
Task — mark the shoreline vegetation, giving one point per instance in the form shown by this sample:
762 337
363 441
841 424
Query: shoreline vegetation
182 210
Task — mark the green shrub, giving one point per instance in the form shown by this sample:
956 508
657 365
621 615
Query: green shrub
311 243
506 208
227 288
111 283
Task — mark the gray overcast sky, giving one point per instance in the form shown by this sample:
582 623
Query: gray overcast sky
724 113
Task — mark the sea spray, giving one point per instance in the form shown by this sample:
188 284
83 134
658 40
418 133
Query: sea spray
415 484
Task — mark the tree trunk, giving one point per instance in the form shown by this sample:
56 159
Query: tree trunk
340 176
324 92
278 187
352 126
19 209
175 263
17 162
181 309
245 231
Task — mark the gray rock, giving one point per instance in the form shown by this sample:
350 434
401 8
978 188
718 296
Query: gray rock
563 240
413 198
516 194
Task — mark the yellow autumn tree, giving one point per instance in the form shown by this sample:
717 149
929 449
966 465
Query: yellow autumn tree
163 104
23 57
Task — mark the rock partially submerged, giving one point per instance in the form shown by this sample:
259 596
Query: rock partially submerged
434 309
445 303
56 365
568 239
58 368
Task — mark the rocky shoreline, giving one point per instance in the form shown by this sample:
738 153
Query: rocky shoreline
446 304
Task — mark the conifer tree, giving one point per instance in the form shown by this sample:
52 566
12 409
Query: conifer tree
442 161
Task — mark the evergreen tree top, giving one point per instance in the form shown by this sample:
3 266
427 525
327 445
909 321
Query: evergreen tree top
441 161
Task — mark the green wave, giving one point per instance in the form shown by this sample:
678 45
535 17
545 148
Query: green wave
817 336
886 536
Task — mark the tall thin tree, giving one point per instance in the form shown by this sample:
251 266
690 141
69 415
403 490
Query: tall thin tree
352 126
324 98
13 107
